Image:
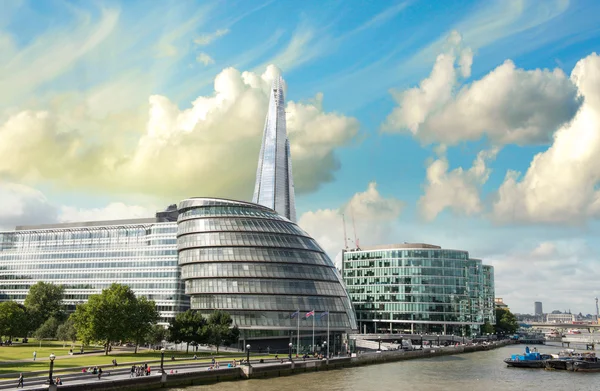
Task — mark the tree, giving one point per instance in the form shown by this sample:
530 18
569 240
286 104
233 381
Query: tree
219 330
156 334
48 329
43 301
487 328
109 316
13 319
506 322
143 317
67 331
188 327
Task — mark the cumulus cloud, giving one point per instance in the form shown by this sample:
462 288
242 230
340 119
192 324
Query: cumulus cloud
209 149
205 59
508 105
207 39
113 211
561 184
373 217
20 205
558 273
457 190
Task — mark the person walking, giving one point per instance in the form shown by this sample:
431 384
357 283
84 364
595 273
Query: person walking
132 371
99 373
20 381
34 355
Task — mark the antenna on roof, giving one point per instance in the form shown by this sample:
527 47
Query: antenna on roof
354 227
345 237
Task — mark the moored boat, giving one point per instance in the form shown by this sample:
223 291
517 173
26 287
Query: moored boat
528 360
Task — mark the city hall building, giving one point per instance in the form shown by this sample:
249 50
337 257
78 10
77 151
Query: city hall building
418 288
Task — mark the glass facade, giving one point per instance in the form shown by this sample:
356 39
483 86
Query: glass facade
258 266
87 259
274 181
418 288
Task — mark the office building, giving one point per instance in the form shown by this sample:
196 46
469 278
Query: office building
274 180
560 318
415 287
261 268
539 312
87 257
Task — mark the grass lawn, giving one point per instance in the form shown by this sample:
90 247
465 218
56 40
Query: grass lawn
19 352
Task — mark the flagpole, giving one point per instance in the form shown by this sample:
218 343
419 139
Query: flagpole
313 342
298 336
328 336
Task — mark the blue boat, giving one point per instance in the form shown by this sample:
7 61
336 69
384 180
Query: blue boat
528 360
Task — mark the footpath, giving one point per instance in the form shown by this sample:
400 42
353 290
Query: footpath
200 373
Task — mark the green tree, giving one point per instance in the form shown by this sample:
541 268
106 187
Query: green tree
219 330
13 319
188 327
67 331
506 322
143 317
487 328
43 301
157 334
107 317
48 329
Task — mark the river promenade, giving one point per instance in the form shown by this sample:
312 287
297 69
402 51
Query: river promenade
199 373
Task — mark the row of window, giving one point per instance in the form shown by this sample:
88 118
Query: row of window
412 280
215 211
283 320
241 254
98 285
245 239
405 271
136 252
86 275
281 287
269 303
407 262
409 253
271 270
91 245
21 267
242 224
419 316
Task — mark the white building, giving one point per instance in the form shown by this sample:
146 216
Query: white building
560 318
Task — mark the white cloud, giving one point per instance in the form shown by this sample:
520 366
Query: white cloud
20 205
373 216
561 184
457 190
113 211
562 274
508 105
205 59
208 149
207 39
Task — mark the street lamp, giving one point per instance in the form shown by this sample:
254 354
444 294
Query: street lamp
326 349
248 354
290 346
52 357
463 337
438 339
421 341
162 360
379 338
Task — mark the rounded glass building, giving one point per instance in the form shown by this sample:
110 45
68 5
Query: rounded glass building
261 268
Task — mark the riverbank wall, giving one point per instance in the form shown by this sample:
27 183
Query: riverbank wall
269 370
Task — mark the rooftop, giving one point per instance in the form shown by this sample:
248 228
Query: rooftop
402 245
86 224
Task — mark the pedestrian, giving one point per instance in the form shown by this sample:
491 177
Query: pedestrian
99 373
34 355
132 371
20 381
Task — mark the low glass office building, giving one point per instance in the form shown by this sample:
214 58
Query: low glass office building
418 288
87 257
260 267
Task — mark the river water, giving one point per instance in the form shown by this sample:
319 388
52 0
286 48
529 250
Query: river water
472 371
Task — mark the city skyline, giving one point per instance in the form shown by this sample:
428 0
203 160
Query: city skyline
469 124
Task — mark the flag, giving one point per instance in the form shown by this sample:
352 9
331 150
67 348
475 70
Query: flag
309 314
323 314
292 316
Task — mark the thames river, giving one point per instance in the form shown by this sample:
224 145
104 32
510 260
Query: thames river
472 371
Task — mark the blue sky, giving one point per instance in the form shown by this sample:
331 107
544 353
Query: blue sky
413 116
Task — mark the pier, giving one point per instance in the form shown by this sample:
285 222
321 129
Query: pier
590 342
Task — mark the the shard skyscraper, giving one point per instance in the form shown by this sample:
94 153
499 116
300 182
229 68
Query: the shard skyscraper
274 181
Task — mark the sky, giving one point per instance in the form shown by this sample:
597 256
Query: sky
472 125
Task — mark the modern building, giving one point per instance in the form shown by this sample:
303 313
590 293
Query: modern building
87 257
560 318
499 303
274 180
539 312
261 268
415 288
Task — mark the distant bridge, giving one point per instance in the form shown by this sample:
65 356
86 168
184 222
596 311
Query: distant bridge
564 325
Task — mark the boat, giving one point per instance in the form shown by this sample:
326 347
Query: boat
573 331
528 360
586 362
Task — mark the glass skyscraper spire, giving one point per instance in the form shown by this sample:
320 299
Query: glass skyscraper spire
274 182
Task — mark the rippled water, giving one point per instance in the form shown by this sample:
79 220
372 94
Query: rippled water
473 371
